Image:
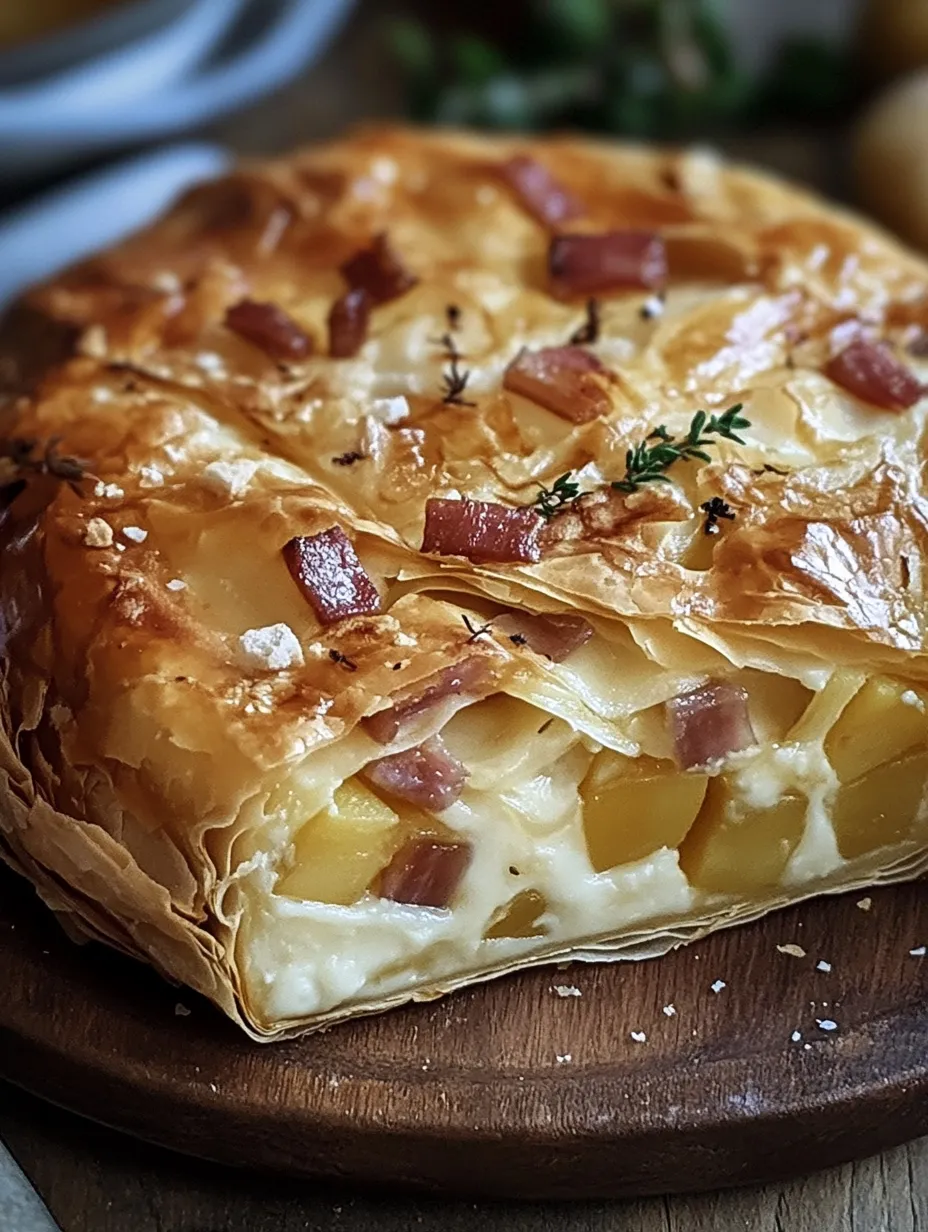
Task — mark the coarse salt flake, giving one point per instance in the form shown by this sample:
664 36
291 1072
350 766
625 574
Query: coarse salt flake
181 1011
389 410
670 1010
98 534
796 1037
135 533
918 952
821 965
718 985
911 698
567 990
150 476
209 361
229 479
176 584
112 491
563 1057
273 648
865 903
826 1024
638 1036
794 951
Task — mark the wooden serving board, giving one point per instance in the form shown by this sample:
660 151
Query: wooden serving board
511 1088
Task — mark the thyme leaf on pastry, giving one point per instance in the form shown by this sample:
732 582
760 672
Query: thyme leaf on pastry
453 316
346 459
647 463
454 382
475 631
343 661
589 331
564 491
714 509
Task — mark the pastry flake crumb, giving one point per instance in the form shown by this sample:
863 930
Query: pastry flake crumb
822 965
229 479
98 534
794 951
176 584
865 903
567 990
826 1024
718 985
111 491
150 476
563 1057
135 533
640 1037
273 648
93 342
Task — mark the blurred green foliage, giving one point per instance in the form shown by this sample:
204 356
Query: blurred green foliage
650 68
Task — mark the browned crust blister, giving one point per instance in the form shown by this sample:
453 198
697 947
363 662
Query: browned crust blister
129 361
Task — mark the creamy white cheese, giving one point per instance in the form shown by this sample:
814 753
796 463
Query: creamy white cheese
274 648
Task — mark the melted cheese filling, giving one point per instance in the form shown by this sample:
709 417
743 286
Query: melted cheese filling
578 839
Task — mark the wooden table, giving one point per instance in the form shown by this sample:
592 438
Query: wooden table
96 1181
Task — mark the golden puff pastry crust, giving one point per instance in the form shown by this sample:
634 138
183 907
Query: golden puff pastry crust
176 714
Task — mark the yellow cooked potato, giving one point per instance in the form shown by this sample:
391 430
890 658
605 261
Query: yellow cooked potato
340 850
634 807
880 808
520 917
883 721
735 850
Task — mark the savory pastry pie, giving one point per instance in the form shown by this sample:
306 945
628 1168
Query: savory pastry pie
431 555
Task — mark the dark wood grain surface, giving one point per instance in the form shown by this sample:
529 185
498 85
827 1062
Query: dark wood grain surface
792 1043
98 1181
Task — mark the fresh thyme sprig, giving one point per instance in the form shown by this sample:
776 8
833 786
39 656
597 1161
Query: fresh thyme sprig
563 492
454 382
714 509
589 330
475 631
647 463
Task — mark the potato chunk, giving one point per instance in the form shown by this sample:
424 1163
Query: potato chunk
633 807
520 917
875 727
881 808
339 851
734 849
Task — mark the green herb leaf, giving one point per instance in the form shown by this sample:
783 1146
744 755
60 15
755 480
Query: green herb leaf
647 463
563 492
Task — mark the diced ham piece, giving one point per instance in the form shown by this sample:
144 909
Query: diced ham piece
327 570
873 374
559 379
469 676
348 321
378 271
554 635
611 261
481 531
539 193
710 723
425 872
426 775
270 329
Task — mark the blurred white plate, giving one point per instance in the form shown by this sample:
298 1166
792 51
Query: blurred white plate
78 112
96 210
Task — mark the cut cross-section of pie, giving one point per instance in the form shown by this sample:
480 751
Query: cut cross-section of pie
572 607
